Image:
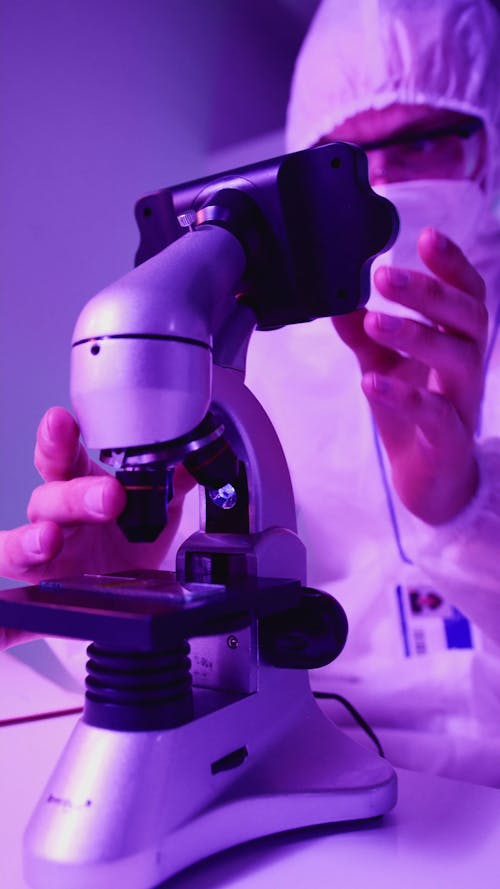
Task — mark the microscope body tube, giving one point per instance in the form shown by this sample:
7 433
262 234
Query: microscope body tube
141 364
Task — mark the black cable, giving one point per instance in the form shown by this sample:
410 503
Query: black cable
327 695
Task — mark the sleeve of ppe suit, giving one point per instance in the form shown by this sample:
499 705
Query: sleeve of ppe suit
463 557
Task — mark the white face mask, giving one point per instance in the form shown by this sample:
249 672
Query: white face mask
458 208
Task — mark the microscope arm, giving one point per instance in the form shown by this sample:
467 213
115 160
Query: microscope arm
141 366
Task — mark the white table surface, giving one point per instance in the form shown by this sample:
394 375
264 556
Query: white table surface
441 834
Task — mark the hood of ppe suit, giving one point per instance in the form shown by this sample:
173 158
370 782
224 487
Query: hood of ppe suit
373 53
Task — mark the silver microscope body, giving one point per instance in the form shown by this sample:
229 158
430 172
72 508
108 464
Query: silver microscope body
173 759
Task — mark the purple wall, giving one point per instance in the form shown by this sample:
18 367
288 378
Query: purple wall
100 102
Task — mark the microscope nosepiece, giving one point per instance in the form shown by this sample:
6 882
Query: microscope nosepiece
149 490
146 473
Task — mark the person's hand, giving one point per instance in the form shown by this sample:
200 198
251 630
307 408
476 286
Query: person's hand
72 528
425 382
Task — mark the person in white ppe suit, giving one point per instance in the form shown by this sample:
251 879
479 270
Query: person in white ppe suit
397 482
398 492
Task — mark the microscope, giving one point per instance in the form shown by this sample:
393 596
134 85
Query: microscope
200 730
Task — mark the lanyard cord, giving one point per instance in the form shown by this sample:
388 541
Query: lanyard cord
389 497
487 358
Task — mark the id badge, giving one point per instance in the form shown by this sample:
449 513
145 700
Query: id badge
428 623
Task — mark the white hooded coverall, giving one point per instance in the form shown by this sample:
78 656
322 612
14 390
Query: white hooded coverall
426 678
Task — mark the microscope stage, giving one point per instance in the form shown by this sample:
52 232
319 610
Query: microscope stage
142 610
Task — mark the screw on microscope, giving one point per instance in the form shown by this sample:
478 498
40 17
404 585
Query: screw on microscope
232 642
187 219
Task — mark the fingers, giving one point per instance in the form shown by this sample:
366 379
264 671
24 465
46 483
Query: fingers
183 481
59 454
86 499
26 549
400 408
350 329
441 303
457 364
452 346
431 454
446 260
370 354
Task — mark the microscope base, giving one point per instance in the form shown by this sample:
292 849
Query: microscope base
133 809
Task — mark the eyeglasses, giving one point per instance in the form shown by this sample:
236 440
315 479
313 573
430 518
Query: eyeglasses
452 152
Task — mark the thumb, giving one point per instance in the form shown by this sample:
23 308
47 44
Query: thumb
351 330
